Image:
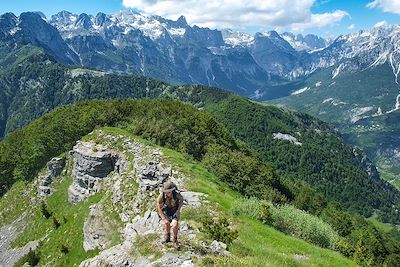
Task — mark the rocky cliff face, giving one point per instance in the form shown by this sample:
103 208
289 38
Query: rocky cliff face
31 28
92 163
53 169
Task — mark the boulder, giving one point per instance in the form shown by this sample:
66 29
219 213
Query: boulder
92 163
219 248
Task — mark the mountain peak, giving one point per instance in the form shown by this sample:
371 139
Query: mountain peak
84 21
273 34
182 21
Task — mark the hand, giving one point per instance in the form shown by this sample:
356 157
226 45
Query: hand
177 214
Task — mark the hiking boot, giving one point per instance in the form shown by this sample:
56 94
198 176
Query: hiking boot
176 244
167 239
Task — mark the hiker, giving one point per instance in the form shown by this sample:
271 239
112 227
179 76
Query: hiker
169 204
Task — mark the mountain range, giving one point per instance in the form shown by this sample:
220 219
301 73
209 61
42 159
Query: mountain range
171 51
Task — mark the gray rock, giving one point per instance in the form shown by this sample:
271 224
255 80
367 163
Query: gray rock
95 230
148 224
116 256
366 164
8 233
91 163
44 190
171 259
300 257
192 199
219 248
54 168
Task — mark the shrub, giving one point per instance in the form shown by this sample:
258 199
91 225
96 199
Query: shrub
56 223
45 211
252 207
219 229
32 258
64 249
392 260
290 220
303 225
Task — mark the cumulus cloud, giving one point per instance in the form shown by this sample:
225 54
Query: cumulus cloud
319 20
381 23
294 14
391 6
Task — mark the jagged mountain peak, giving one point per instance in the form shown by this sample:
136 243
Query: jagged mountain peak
308 42
84 21
182 21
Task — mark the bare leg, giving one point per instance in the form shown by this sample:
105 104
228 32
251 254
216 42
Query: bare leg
175 227
167 231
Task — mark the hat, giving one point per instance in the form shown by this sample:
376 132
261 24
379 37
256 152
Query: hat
169 187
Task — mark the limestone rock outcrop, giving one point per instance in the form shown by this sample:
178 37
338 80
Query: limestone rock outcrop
92 163
53 169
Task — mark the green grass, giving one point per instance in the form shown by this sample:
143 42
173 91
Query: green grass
257 244
15 201
390 177
144 245
69 234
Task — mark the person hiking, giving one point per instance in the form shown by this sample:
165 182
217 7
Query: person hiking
169 204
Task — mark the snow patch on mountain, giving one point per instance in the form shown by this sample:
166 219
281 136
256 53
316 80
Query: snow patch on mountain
235 38
307 43
333 101
176 31
338 70
302 90
125 21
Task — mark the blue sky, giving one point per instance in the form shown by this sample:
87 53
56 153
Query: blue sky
328 18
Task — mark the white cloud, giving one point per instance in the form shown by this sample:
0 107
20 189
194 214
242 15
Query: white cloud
351 27
381 23
293 14
391 6
319 20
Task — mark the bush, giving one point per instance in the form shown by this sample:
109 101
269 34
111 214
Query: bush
56 223
392 260
45 211
64 249
32 258
303 225
219 229
290 220
252 207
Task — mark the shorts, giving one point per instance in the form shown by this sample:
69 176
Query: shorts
170 213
